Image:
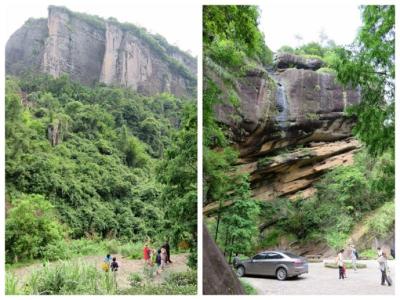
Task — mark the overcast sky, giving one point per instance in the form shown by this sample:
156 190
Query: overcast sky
280 23
178 21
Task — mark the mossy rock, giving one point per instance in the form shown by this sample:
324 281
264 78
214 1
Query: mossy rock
348 265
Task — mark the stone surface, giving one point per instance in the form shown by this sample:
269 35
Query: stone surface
287 60
102 50
218 276
289 128
26 47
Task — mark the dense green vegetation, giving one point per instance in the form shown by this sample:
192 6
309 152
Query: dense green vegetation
232 43
344 196
87 162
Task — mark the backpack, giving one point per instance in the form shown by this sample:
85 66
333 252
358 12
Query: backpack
158 259
356 254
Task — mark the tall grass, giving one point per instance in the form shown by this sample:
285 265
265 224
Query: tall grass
70 278
12 285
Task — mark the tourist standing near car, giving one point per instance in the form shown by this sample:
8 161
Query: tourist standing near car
383 266
340 263
236 260
354 257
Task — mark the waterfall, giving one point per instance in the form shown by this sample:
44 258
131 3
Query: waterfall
282 106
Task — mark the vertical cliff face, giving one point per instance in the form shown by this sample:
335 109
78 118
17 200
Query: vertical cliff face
90 49
73 47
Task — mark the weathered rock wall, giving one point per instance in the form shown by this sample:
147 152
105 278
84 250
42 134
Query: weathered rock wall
289 128
90 50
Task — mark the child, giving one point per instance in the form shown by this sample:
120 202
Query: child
106 263
114 265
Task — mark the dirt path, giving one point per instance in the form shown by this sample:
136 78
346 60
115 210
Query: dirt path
126 267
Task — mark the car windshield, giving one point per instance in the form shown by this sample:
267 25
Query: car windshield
291 255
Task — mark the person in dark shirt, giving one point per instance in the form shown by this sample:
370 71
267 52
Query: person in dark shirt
166 246
114 265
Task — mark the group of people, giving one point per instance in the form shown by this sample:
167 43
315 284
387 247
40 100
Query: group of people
382 261
110 263
159 257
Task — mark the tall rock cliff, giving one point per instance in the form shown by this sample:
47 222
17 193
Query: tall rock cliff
90 49
289 127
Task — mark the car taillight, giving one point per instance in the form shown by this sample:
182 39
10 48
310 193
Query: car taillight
298 262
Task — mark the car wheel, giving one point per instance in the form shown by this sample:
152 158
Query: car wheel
240 271
281 274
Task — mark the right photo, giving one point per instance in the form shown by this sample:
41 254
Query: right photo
298 149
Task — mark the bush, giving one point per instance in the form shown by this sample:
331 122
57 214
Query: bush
348 265
70 278
182 278
382 222
226 53
30 227
135 279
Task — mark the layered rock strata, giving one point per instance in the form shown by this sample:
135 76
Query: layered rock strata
289 129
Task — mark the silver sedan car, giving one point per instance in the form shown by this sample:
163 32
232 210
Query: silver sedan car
280 264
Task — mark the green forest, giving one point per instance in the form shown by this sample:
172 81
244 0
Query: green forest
96 170
346 195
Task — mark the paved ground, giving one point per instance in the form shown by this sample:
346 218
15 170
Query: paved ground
321 280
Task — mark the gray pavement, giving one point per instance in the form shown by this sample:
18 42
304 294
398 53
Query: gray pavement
324 281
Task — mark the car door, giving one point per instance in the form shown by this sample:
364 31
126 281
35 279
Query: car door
275 259
253 266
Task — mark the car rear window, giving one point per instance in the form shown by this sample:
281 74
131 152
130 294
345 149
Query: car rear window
291 255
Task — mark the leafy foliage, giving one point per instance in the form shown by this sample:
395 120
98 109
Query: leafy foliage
93 153
30 226
369 64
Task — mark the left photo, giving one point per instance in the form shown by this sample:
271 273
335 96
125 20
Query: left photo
101 150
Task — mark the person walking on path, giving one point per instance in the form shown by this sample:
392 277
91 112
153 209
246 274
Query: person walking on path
380 252
146 255
106 263
163 255
354 257
166 247
114 265
383 266
340 263
158 261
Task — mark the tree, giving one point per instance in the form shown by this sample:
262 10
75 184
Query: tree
369 64
30 227
178 173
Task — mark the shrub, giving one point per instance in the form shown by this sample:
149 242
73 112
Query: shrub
70 278
382 222
30 227
182 278
135 279
333 265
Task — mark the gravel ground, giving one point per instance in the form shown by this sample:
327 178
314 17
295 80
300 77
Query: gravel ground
324 281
